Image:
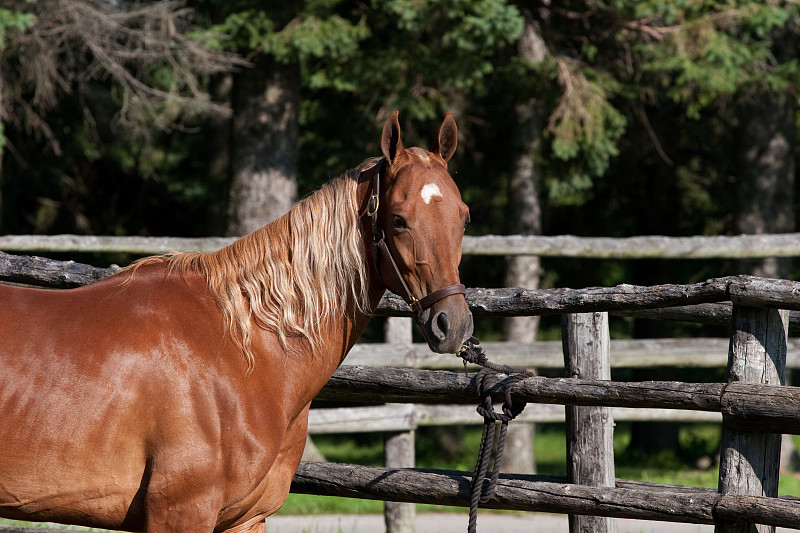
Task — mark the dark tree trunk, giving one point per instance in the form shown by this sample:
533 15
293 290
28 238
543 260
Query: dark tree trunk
218 144
522 270
264 144
765 181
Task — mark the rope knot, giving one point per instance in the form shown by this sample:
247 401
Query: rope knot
491 377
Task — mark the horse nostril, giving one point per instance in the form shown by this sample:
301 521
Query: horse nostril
440 325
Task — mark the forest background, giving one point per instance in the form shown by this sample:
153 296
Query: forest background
586 117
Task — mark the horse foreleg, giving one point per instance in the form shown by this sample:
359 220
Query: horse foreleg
254 525
282 472
275 486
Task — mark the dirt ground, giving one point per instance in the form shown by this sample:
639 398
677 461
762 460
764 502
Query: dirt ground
457 523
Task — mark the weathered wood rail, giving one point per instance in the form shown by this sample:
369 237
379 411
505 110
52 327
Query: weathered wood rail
778 410
405 417
497 302
695 352
638 247
648 501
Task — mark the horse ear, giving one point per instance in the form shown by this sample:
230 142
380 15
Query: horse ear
448 138
391 145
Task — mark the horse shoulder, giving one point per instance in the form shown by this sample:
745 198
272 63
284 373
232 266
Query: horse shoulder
242 418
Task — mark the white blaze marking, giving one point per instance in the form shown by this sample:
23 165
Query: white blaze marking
429 191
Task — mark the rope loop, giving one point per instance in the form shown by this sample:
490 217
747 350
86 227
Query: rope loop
488 379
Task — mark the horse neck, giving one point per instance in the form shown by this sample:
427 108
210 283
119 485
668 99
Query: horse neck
353 322
340 336
343 332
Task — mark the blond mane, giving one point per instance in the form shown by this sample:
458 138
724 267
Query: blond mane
293 276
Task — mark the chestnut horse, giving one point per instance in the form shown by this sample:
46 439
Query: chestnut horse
174 395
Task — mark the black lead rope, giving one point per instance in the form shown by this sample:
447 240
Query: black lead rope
483 487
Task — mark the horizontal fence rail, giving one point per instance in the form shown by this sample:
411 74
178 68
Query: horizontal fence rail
778 410
647 501
405 417
622 299
742 290
695 352
638 247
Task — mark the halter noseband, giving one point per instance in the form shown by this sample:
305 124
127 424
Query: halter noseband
382 250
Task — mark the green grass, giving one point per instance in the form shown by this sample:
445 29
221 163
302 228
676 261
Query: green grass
307 504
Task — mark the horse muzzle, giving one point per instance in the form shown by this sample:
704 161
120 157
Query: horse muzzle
447 324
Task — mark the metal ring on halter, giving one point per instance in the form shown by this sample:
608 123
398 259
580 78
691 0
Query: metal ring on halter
415 305
374 200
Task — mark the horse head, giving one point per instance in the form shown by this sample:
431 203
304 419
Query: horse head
418 224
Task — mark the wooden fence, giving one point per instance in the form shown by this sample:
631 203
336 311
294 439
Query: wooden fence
754 405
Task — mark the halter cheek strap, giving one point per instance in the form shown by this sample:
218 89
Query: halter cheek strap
382 251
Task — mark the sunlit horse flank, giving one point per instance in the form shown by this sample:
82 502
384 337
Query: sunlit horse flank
174 396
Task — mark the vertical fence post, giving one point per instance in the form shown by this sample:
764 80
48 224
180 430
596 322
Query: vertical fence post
590 430
399 447
749 462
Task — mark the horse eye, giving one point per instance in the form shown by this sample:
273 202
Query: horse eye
399 222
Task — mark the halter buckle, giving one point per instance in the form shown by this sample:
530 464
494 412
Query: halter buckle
372 207
415 305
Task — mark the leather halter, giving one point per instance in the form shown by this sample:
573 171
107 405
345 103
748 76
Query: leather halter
381 250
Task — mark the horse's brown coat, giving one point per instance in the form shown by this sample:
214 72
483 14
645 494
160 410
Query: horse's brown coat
127 404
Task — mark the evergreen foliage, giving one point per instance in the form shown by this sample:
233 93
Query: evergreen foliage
639 99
